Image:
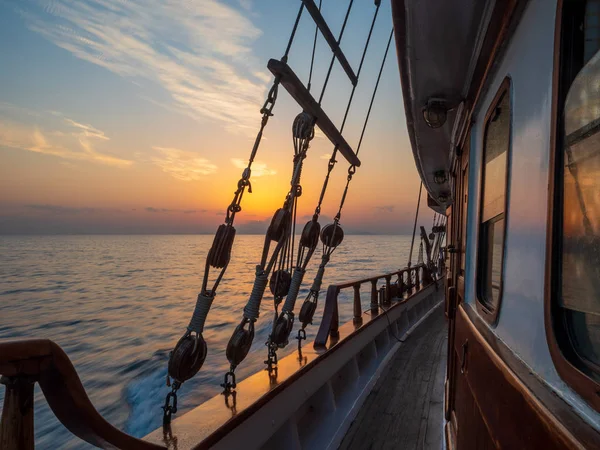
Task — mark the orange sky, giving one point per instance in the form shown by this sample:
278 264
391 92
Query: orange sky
152 139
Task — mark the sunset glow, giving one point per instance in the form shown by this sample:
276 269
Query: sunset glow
139 117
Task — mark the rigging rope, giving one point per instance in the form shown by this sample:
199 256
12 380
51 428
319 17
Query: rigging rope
333 235
283 323
189 353
412 242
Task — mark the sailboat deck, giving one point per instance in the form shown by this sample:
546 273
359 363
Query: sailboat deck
405 408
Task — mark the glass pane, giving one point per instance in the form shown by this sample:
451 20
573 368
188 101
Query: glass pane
580 290
496 240
465 198
495 159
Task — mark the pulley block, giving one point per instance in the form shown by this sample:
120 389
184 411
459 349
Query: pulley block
220 252
310 234
303 126
332 235
283 328
280 282
187 357
307 312
240 342
279 224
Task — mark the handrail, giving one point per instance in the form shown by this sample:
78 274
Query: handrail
330 320
22 363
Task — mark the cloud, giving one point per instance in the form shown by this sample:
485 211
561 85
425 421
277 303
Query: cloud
385 208
151 209
181 164
72 141
326 156
259 169
199 52
68 210
57 209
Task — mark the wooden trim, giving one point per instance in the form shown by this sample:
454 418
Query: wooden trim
521 411
576 379
489 314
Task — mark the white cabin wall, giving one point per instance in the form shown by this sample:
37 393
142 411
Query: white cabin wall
528 61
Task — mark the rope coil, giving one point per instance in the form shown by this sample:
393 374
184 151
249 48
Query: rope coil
290 300
203 304
252 308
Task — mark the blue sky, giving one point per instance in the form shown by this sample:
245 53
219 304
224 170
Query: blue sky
137 116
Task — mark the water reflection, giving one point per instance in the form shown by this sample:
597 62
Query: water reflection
117 305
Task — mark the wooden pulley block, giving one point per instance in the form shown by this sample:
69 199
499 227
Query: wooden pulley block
240 342
332 235
283 328
220 252
279 224
303 126
280 282
307 312
187 357
310 234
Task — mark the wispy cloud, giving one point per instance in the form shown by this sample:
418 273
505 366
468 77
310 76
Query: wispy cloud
151 209
259 169
326 156
385 208
199 52
68 210
72 141
181 164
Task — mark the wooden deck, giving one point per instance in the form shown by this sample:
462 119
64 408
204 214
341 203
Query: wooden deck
405 408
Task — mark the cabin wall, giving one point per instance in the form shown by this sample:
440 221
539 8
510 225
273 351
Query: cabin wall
528 60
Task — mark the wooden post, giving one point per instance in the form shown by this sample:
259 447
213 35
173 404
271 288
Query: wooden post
357 306
388 289
401 285
374 302
16 424
417 280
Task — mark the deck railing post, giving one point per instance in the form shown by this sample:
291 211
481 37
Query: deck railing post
357 306
374 303
417 279
388 289
401 285
16 424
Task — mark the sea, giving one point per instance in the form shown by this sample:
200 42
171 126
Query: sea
118 304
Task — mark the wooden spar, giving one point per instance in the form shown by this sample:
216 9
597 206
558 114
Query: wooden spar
292 84
313 10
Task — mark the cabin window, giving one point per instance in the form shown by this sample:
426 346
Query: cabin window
496 144
577 300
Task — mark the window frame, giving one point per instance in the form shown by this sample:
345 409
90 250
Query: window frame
483 306
561 349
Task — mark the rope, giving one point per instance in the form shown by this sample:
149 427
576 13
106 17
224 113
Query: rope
412 242
312 59
333 57
352 169
332 160
252 308
203 304
290 300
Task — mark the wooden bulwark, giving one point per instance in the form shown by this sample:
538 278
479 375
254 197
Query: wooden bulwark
290 81
43 361
313 10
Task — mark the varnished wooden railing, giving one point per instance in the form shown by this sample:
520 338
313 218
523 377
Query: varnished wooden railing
22 364
410 280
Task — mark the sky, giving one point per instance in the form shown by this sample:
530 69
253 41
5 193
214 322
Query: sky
138 116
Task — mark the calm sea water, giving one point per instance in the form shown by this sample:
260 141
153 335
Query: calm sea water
118 304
